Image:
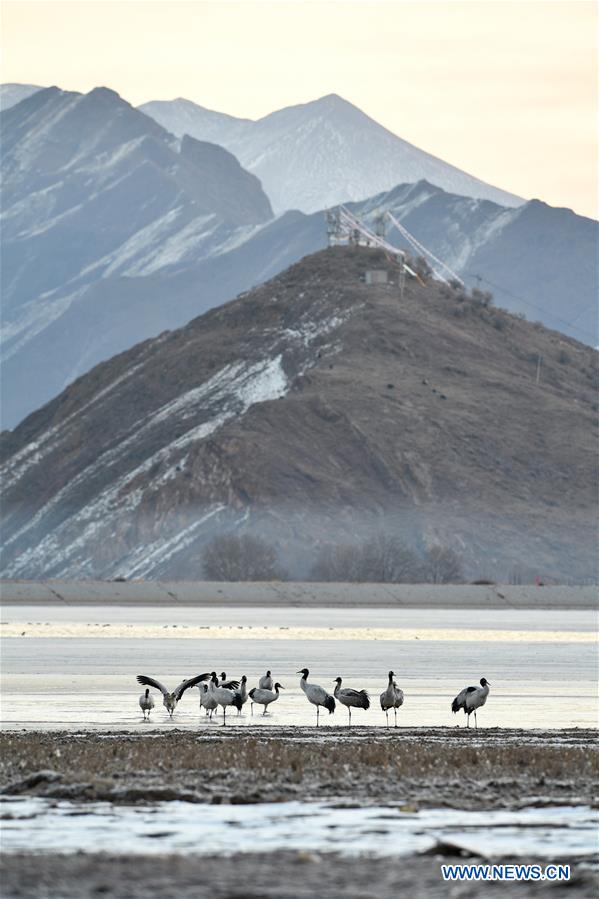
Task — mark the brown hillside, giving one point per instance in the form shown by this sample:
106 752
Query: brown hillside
316 409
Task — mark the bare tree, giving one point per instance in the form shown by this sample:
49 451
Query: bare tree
232 558
382 559
387 560
443 566
338 563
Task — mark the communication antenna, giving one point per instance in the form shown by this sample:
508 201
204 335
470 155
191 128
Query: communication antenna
380 227
333 226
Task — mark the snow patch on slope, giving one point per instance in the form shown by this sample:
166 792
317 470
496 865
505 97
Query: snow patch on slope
232 392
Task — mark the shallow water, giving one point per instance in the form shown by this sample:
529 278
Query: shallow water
75 667
179 827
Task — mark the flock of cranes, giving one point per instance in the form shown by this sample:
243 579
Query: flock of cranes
217 691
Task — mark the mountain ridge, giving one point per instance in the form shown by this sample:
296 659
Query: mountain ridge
307 160
144 231
315 409
93 188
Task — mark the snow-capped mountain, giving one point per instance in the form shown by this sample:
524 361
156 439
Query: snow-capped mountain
114 230
321 153
11 94
94 189
314 409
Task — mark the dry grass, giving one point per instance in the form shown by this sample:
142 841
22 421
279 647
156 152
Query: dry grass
432 767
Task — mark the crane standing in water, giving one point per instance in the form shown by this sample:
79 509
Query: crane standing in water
170 700
357 699
471 699
315 694
391 698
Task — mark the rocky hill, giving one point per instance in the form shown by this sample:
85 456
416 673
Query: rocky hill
320 153
93 189
315 409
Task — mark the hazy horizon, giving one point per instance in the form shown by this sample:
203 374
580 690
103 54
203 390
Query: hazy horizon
506 91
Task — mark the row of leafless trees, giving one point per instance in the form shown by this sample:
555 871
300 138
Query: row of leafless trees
382 559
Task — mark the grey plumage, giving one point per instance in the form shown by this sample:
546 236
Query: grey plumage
350 698
316 694
170 700
470 699
391 698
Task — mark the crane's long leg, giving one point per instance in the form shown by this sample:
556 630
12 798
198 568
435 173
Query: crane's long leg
264 712
317 713
475 721
252 709
349 710
224 715
468 719
395 713
387 716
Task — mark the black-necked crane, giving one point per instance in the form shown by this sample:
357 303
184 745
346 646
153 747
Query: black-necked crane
146 704
266 682
391 698
351 699
241 695
471 699
207 700
170 700
265 697
224 696
228 684
315 694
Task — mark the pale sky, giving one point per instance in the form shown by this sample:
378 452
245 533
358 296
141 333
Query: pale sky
503 89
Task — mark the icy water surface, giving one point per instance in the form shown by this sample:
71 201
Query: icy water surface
75 667
179 827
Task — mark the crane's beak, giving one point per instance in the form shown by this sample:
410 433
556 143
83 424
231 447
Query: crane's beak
299 672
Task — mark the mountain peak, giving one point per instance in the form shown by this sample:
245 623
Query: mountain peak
105 93
319 153
345 389
333 100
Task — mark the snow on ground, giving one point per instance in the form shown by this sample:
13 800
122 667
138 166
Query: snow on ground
228 394
146 558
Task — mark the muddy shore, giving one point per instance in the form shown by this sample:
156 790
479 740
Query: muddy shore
451 767
405 768
287 875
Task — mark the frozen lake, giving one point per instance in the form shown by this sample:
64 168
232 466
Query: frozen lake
185 828
75 667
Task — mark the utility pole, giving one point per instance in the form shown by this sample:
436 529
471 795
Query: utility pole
401 278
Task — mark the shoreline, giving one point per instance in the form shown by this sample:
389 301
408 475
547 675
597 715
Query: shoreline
405 771
205 594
